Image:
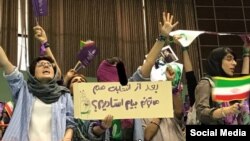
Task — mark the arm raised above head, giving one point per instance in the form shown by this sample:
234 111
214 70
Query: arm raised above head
245 59
5 63
153 54
41 36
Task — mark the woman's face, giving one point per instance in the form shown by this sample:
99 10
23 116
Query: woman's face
166 52
77 79
228 64
44 71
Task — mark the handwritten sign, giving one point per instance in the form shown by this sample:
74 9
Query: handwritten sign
135 100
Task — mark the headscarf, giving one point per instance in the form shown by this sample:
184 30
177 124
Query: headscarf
112 70
158 73
214 68
107 72
214 61
49 92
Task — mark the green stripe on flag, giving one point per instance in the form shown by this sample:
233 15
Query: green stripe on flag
231 82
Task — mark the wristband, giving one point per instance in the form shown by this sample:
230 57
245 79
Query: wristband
162 38
245 55
46 45
184 48
246 52
100 125
155 124
175 90
171 41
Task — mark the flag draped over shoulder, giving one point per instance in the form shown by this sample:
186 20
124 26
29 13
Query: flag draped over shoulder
228 89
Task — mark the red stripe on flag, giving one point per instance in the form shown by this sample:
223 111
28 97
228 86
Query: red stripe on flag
231 97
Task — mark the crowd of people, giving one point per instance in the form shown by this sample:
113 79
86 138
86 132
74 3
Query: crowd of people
44 103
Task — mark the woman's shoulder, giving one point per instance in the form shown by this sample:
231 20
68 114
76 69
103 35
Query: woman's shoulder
203 82
206 81
65 97
203 86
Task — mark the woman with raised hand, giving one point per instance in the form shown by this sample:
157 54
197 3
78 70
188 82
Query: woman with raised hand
131 129
162 129
41 36
43 109
71 77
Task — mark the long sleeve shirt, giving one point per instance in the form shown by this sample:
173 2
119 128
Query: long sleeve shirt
18 129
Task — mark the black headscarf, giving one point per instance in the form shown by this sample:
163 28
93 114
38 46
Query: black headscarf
214 61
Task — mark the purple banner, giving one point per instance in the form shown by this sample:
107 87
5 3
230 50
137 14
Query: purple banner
40 7
87 54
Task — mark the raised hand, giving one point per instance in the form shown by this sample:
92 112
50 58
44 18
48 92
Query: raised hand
40 34
70 73
68 76
246 46
107 122
167 25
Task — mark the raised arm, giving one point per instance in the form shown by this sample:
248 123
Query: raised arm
189 72
5 63
186 61
164 30
154 125
41 36
245 63
190 76
68 76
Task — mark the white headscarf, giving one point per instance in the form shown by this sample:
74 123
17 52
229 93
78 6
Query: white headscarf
158 74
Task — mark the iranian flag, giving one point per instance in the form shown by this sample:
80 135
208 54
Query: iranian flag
228 89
